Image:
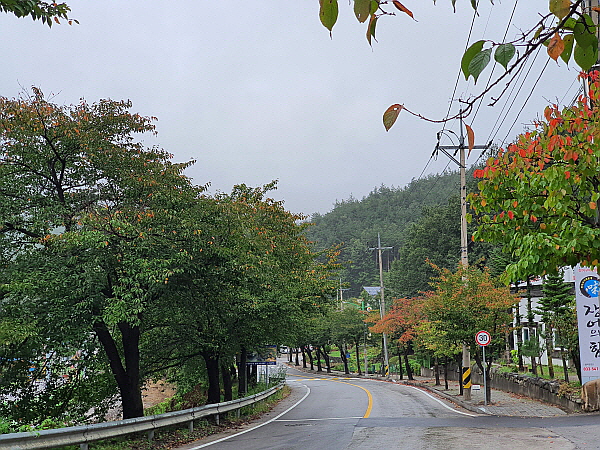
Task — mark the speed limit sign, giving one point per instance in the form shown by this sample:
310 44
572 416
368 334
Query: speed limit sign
483 338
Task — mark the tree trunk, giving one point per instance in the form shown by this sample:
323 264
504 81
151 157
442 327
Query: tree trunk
357 348
310 357
409 373
564 364
211 360
297 361
576 361
242 373
253 375
400 362
344 359
437 371
519 330
318 354
290 355
549 348
446 373
327 360
128 376
227 382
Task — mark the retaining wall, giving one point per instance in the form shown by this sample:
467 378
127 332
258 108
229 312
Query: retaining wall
533 387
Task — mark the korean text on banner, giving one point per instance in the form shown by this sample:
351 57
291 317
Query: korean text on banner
588 321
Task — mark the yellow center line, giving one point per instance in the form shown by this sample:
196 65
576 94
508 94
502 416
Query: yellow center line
369 405
369 396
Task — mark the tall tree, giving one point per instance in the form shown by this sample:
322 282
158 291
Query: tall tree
88 223
467 301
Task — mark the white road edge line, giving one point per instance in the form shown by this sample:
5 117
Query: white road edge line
441 402
257 426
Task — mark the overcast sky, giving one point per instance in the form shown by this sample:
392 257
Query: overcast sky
257 90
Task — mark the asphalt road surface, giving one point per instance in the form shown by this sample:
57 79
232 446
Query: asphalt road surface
325 413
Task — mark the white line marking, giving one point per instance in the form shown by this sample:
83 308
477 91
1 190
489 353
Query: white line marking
257 426
326 418
442 403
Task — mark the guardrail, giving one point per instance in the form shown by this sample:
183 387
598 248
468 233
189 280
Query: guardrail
85 434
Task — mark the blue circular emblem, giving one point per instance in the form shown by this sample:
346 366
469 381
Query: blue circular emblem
589 286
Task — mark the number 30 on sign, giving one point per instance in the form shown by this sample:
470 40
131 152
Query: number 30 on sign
483 338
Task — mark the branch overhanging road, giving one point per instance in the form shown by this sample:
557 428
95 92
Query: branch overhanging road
332 413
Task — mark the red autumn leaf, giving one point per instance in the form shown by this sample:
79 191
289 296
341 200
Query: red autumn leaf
511 215
390 115
470 138
555 47
403 8
567 174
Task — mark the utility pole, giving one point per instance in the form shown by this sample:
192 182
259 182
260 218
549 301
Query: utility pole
379 248
464 257
342 295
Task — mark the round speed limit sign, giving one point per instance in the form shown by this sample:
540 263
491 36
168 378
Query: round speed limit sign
483 338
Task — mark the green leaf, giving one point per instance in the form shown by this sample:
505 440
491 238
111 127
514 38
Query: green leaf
362 9
328 13
585 31
504 53
568 40
538 32
585 57
468 57
371 28
479 62
569 23
560 8
374 6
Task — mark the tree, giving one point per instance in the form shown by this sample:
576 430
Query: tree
566 29
467 301
347 327
435 238
555 308
400 323
539 197
89 223
47 12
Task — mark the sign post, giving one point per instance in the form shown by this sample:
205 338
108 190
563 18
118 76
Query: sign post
483 338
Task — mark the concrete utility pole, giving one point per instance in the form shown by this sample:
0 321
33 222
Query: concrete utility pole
342 295
464 258
379 248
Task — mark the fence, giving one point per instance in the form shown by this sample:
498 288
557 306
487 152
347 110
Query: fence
85 434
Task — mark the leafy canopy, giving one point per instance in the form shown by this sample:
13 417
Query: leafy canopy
47 12
539 197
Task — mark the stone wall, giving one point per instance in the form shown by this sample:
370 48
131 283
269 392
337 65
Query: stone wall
533 387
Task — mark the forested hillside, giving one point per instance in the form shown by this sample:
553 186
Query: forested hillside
420 220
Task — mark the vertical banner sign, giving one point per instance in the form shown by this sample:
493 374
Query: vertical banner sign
588 321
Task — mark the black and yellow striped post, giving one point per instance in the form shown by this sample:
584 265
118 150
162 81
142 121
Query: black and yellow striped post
466 378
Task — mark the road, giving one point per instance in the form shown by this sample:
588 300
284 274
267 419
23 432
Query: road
325 413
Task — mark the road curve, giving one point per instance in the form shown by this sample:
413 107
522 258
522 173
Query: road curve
357 414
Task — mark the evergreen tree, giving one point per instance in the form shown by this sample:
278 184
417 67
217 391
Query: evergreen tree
555 308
